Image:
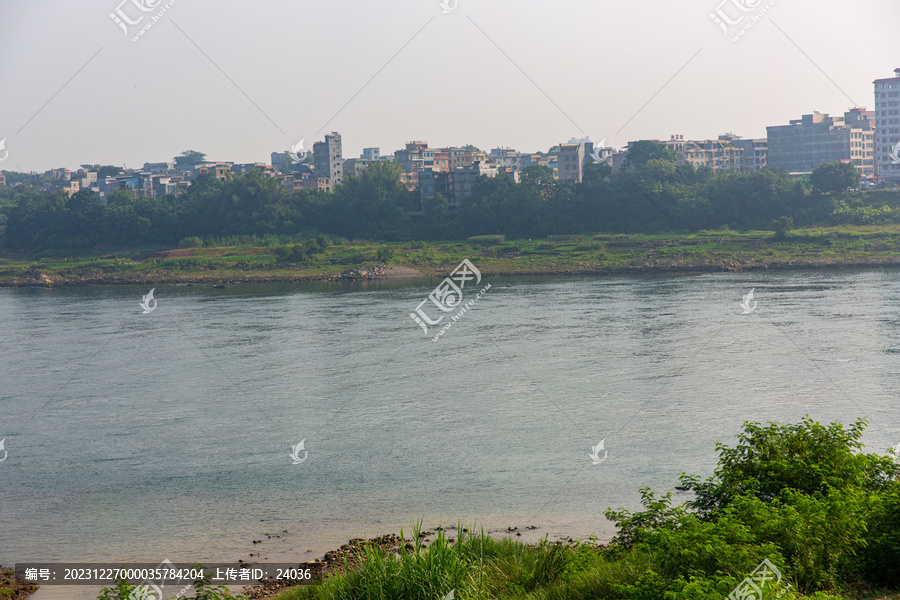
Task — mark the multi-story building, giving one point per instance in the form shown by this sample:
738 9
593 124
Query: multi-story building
353 167
158 167
371 154
219 171
729 152
244 168
2 179
416 157
814 139
441 160
410 179
461 157
463 180
509 160
719 154
570 161
754 153
329 159
861 123
280 161
887 129
432 183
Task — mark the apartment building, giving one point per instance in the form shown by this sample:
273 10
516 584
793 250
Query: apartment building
806 143
887 129
329 160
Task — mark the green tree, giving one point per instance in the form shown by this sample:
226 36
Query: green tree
640 152
373 205
834 177
806 457
189 158
103 171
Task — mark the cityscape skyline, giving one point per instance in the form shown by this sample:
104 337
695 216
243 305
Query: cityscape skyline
409 70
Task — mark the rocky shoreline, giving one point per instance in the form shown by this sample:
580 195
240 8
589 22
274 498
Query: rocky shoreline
11 588
39 278
381 271
348 555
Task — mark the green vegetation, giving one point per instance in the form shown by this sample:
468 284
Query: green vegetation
249 227
802 496
284 257
487 240
652 194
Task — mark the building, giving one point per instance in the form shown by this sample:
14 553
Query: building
371 154
353 167
463 181
280 162
887 129
441 160
861 123
158 167
219 171
432 183
410 179
2 179
570 161
754 152
509 161
416 157
814 139
462 157
329 160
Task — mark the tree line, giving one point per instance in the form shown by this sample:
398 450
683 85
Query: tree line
651 193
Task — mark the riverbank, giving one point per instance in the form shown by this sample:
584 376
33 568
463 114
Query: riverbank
820 248
348 555
11 588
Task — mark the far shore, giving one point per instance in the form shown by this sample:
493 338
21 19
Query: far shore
856 247
40 278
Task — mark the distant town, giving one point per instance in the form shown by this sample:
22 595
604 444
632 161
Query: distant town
867 139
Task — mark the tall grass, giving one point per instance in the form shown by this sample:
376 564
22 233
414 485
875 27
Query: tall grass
487 240
474 566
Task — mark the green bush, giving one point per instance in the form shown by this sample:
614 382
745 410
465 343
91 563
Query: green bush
190 242
547 246
384 254
487 240
561 238
589 246
803 496
304 253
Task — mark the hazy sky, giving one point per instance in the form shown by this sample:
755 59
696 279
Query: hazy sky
238 80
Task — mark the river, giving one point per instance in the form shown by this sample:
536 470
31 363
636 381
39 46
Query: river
136 436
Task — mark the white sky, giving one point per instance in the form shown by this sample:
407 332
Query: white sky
238 80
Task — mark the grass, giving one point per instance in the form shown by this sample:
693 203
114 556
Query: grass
476 566
561 254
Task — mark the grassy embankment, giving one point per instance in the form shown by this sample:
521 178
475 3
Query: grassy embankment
704 251
475 566
804 496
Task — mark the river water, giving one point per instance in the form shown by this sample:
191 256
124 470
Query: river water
136 436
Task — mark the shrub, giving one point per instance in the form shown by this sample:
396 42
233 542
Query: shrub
589 246
561 238
384 254
487 240
547 246
190 242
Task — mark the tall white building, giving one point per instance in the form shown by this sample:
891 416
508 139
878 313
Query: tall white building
887 128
